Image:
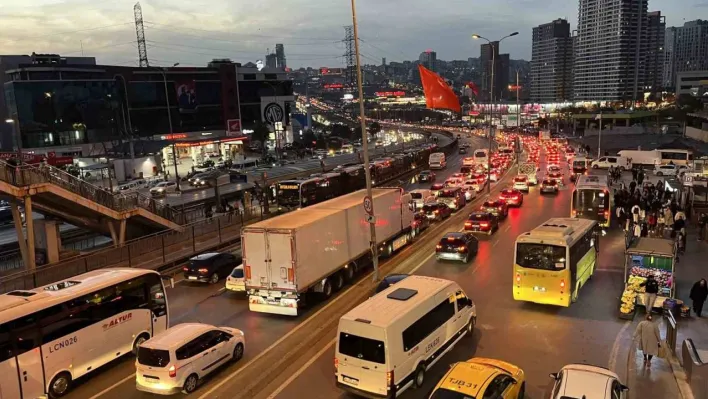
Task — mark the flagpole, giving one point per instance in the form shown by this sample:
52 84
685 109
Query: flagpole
365 147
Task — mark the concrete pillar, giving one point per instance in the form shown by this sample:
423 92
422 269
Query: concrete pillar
626 122
17 219
31 265
121 232
48 238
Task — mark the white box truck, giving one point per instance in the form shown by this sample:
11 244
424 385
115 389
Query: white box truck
649 158
529 169
316 250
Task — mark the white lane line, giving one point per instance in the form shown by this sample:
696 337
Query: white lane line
301 370
495 243
507 228
105 391
612 364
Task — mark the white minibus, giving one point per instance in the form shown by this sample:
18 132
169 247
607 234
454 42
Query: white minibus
437 160
386 344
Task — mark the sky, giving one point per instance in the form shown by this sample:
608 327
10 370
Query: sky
192 32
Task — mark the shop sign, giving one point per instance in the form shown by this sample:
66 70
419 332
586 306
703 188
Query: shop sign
233 127
51 158
390 93
174 136
273 112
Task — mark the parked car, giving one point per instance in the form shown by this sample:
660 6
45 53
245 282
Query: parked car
210 267
163 188
457 246
178 358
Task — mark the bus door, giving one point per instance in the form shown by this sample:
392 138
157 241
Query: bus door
9 382
29 359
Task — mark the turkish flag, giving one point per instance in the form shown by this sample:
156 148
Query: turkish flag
474 88
438 95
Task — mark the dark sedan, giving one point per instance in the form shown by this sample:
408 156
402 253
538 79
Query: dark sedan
549 186
436 211
482 222
426 176
389 280
457 246
497 208
210 267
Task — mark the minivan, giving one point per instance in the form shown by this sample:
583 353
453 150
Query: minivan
388 343
421 196
453 197
179 357
481 157
614 161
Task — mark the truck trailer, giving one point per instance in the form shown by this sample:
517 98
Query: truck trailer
315 251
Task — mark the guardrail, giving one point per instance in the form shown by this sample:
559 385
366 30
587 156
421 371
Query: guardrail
159 251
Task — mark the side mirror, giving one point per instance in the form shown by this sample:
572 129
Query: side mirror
553 376
624 387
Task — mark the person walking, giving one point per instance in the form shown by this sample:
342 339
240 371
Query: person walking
652 288
699 293
649 339
702 221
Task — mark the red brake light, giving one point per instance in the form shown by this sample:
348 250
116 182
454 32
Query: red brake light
484 224
438 247
562 284
247 271
173 371
468 224
518 278
336 364
437 211
461 248
203 270
389 378
186 269
574 212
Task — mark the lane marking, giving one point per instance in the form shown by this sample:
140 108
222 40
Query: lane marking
301 369
105 391
612 364
495 243
507 228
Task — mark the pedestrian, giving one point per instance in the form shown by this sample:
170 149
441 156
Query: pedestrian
681 243
660 223
634 174
637 230
652 288
621 216
702 222
651 221
649 339
635 213
640 177
644 232
699 293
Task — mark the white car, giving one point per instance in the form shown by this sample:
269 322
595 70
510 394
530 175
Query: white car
470 191
163 188
670 170
236 281
177 358
454 182
521 183
585 381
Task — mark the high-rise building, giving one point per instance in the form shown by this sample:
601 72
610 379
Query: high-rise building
383 61
653 52
489 52
280 56
686 50
428 59
552 62
271 60
610 62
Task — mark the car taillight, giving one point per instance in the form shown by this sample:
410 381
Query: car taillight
518 278
574 213
247 272
203 270
484 224
436 211
438 247
186 269
461 248
336 365
389 379
173 371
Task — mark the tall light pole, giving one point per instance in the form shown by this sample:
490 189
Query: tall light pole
518 104
163 71
15 121
365 146
491 103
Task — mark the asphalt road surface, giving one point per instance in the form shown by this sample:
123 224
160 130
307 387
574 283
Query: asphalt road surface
211 304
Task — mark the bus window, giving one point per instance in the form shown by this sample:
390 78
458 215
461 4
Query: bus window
540 256
590 199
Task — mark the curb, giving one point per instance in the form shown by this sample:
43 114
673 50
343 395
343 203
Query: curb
680 376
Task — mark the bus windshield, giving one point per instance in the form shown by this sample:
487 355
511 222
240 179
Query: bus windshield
589 199
289 193
540 256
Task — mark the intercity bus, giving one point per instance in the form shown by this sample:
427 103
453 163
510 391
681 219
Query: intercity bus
52 335
591 199
554 260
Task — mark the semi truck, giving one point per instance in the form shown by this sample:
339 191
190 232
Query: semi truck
644 158
315 251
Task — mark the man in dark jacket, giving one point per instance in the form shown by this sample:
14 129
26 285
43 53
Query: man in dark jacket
652 288
699 293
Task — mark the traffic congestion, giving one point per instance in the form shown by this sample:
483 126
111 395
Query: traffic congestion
481 255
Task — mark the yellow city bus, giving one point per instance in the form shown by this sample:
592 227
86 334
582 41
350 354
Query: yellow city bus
554 260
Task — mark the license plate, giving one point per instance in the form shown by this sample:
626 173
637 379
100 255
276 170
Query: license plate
475 228
191 278
349 380
273 301
539 289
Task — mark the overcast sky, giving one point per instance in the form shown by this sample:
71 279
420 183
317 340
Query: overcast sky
192 32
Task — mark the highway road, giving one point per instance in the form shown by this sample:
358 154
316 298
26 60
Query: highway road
190 302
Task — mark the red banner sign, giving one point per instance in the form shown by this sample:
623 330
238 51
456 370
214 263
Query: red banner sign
334 86
390 93
51 158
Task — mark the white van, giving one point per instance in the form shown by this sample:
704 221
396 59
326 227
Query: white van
421 196
437 160
614 161
386 344
481 157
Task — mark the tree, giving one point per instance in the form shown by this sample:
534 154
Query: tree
309 137
260 133
341 131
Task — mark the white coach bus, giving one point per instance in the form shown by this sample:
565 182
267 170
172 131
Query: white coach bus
52 335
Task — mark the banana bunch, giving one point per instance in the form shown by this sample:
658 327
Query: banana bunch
634 282
628 300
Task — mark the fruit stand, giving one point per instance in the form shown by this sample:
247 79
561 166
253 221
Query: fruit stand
644 257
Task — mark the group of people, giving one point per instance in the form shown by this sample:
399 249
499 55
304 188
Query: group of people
645 209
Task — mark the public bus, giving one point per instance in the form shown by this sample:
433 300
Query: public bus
306 191
553 261
677 157
52 335
592 199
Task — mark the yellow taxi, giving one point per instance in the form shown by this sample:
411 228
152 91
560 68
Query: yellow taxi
481 378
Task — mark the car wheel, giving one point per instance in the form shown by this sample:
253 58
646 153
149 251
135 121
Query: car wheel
60 385
522 391
214 278
338 281
467 259
470 326
594 166
190 384
659 173
327 289
238 352
419 376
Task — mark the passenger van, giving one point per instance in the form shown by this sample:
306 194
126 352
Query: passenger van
614 161
481 157
453 197
437 161
386 344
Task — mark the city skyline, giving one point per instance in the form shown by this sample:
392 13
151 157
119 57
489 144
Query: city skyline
192 33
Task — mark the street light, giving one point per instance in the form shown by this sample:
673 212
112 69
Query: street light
163 71
18 137
491 104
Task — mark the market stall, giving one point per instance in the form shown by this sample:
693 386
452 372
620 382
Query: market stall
643 257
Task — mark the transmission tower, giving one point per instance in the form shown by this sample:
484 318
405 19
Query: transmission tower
140 31
350 73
